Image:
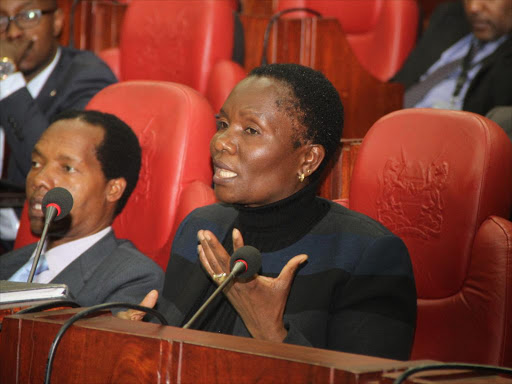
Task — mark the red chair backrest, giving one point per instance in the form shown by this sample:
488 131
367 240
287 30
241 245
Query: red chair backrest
433 178
174 125
175 40
380 32
223 73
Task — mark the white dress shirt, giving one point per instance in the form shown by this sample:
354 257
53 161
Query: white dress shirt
440 96
61 256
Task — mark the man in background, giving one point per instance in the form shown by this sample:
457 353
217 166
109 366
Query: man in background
38 79
96 157
463 61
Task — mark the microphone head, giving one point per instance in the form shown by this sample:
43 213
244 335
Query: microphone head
61 199
250 256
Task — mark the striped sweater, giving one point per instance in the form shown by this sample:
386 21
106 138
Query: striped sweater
356 292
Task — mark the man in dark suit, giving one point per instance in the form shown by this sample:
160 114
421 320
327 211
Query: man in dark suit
97 158
40 78
454 27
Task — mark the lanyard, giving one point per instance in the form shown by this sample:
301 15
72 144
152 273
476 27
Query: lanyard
466 66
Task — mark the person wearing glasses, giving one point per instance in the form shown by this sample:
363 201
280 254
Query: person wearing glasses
38 79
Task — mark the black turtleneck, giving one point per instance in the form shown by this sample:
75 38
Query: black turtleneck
269 228
276 226
355 293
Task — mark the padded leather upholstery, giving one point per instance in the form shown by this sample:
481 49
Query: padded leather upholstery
442 181
188 42
224 72
380 32
174 125
173 40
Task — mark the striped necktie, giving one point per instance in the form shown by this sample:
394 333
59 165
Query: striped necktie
23 273
416 93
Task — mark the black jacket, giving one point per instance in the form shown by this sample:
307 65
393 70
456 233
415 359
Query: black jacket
77 77
492 86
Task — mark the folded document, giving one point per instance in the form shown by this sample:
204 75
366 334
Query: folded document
13 292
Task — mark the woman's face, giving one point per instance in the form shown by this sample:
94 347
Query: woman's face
254 157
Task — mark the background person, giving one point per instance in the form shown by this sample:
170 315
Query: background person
330 277
97 158
463 61
38 79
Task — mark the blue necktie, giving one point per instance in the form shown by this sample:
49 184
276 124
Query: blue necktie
23 273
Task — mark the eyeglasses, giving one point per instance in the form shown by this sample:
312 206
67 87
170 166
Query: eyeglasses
25 19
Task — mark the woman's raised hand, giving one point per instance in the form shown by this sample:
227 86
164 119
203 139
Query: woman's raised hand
261 301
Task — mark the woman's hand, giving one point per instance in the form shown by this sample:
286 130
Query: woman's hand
132 314
260 301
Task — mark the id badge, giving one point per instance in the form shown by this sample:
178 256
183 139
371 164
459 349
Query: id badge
444 104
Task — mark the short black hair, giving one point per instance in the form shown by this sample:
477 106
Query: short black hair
119 153
317 105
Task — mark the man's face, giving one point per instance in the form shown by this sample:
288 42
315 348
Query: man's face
65 156
40 41
490 19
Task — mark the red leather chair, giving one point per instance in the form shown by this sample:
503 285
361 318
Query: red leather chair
174 40
380 32
442 181
223 78
174 125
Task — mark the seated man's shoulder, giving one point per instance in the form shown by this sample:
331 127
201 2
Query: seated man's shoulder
85 60
80 56
14 259
127 253
15 252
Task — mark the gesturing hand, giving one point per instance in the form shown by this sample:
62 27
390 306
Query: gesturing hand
261 301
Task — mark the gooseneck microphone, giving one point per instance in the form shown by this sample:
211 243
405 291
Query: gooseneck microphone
244 263
56 205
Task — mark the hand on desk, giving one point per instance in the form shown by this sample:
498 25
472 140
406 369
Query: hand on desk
260 302
149 301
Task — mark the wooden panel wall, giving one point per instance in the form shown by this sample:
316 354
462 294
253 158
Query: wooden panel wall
97 23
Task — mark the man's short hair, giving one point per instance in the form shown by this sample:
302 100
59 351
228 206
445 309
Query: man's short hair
119 153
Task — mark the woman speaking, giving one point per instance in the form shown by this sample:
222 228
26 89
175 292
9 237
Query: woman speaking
330 277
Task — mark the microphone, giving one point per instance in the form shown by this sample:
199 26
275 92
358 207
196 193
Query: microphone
57 204
244 263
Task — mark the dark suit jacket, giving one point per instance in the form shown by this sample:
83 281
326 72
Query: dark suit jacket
491 86
503 116
112 270
78 76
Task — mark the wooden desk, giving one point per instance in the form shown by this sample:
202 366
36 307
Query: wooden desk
104 349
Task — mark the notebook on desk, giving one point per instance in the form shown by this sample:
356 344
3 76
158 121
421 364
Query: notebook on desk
13 293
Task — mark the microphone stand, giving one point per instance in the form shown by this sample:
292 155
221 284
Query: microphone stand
237 269
52 212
